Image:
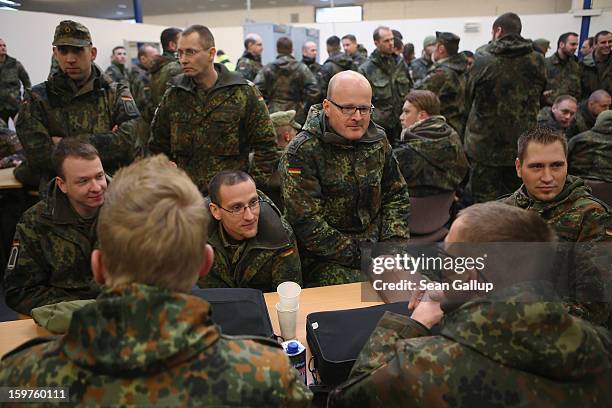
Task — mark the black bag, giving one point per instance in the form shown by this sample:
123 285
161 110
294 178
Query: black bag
335 339
238 311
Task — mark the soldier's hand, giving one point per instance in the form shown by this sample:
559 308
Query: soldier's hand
428 312
56 139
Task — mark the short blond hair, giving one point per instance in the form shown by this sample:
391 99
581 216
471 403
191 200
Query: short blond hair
152 228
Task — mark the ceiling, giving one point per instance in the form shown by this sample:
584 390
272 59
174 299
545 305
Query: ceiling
124 9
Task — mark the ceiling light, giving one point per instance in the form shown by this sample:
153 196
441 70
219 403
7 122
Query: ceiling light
121 6
7 8
119 13
10 3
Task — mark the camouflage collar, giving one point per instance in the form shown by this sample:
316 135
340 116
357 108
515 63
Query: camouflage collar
177 325
573 189
510 45
431 128
225 78
250 56
61 86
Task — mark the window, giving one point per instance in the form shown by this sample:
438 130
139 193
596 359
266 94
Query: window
338 14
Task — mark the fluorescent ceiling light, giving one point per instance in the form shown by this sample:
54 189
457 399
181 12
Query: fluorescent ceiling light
8 8
10 3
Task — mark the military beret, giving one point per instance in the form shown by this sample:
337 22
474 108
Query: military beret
447 38
71 33
429 40
285 118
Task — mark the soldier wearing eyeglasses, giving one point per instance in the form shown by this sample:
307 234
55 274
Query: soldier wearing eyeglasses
254 245
341 184
210 119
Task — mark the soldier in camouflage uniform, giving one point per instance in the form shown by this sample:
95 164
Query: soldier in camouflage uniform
420 66
336 62
140 77
341 184
210 119
147 341
541 45
503 91
12 76
287 84
389 81
489 352
561 115
117 70
49 260
446 78
11 152
163 69
598 102
563 70
590 152
79 101
597 66
309 57
249 64
430 154
254 245
356 51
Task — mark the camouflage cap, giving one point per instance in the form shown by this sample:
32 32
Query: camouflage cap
71 33
429 40
447 38
543 43
604 116
285 118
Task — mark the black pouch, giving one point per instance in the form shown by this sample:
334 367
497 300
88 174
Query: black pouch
238 311
335 339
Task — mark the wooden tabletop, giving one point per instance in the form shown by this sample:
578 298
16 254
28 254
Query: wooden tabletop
8 180
338 297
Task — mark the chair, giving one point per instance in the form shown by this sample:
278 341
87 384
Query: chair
601 190
429 216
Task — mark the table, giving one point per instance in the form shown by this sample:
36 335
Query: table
325 298
8 180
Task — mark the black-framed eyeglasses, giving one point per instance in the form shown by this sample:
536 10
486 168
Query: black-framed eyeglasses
350 110
239 209
189 52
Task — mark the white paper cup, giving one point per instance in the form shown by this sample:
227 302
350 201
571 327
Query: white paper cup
287 320
288 295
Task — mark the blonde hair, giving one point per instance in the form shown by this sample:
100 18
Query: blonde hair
152 228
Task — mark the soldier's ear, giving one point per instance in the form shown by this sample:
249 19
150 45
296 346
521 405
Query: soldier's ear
215 211
94 53
517 164
61 184
97 267
207 261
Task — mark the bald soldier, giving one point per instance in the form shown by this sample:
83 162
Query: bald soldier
341 184
588 111
249 64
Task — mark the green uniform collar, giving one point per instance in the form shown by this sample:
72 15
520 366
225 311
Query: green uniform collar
61 86
225 79
573 190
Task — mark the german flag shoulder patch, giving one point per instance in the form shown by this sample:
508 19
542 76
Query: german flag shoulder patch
294 170
287 252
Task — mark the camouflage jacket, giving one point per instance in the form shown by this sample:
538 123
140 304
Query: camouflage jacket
575 215
205 132
583 121
339 192
503 90
563 77
51 256
312 65
489 353
12 76
262 262
420 66
590 153
164 68
287 84
431 157
447 79
596 75
117 72
547 119
140 86
359 57
336 63
139 345
100 112
10 148
248 66
390 85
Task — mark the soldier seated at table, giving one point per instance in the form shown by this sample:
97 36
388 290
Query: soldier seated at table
11 152
430 153
147 341
513 346
590 153
49 261
255 246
